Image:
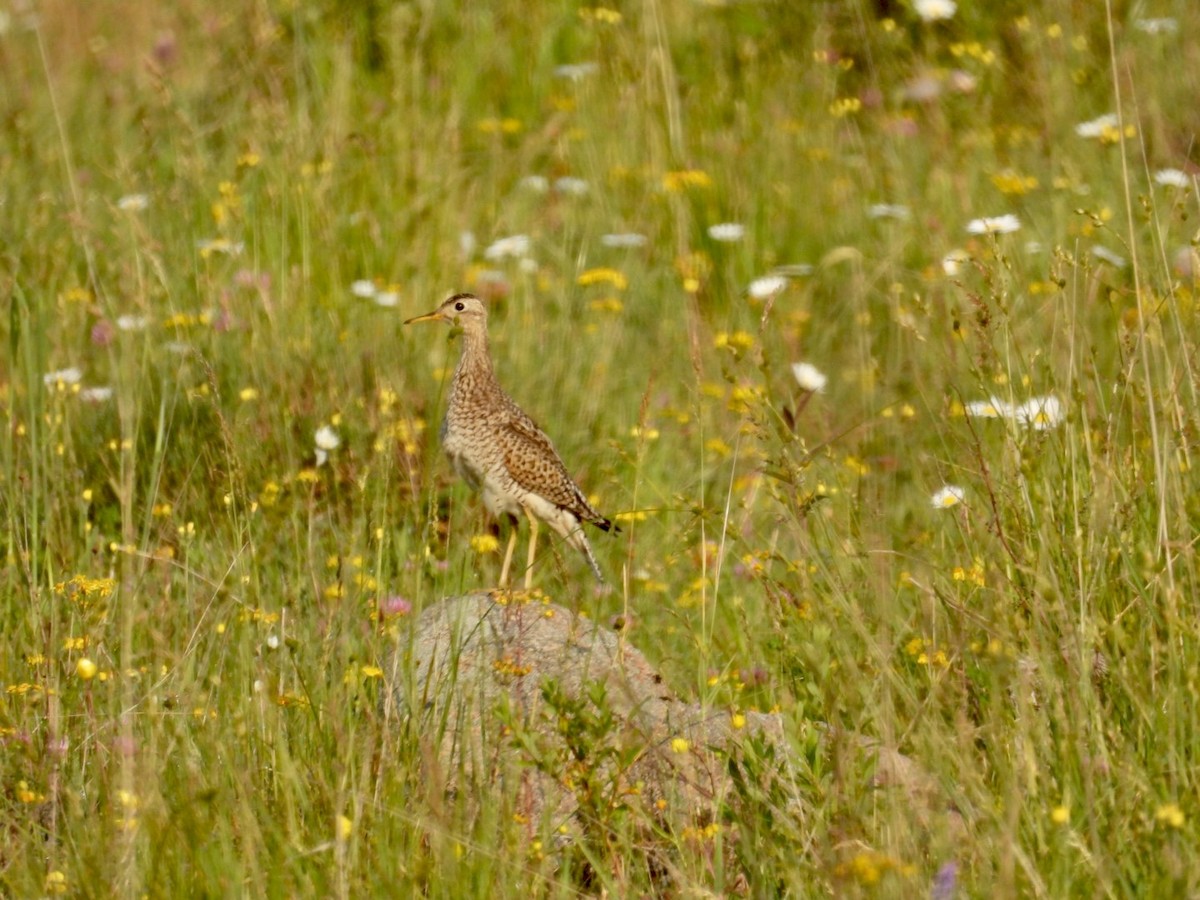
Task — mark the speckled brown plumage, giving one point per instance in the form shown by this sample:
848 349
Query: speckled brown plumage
499 450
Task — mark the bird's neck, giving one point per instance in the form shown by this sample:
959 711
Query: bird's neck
475 362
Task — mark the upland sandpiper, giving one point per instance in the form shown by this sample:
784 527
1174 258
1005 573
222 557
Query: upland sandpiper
499 450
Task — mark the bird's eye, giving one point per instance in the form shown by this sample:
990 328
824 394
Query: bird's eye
460 306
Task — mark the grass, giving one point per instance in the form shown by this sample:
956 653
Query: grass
193 657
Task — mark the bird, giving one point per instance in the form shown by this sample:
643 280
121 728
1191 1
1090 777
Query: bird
499 450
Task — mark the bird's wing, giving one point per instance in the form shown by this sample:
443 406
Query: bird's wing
533 464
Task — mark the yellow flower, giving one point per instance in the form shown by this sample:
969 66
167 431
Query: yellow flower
56 883
1060 815
739 340
680 745
85 668
600 14
844 106
679 181
345 827
1014 183
1170 814
603 275
26 794
485 543
609 304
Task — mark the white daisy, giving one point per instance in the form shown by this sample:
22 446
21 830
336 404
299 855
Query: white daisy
1040 413
1172 178
1099 126
953 262
991 408
888 211
766 286
132 323
538 184
387 299
1105 255
96 394
364 288
575 71
624 239
1164 25
1005 224
133 202
947 495
71 375
516 245
727 232
963 82
935 10
574 187
809 377
209 246
326 438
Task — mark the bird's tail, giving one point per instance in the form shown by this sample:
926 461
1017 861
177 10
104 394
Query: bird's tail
577 539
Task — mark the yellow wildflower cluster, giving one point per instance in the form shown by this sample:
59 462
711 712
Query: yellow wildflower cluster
973 575
320 167
187 320
261 616
269 494
499 126
603 275
694 269
229 204
1170 814
26 794
698 833
601 14
973 50
845 106
509 667
869 866
485 543
56 882
678 181
737 341
356 674
76 295
407 434
127 806
519 598
85 592
926 653
607 304
1014 183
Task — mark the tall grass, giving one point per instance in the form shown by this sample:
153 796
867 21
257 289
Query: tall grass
194 649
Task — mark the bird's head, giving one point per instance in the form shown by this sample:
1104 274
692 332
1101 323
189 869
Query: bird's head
461 309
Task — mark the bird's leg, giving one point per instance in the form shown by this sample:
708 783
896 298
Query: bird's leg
533 530
512 543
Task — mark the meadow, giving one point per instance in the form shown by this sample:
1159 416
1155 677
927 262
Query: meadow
875 331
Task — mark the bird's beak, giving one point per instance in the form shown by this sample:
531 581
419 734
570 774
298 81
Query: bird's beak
435 316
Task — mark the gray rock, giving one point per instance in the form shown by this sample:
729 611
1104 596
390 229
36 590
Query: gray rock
511 693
